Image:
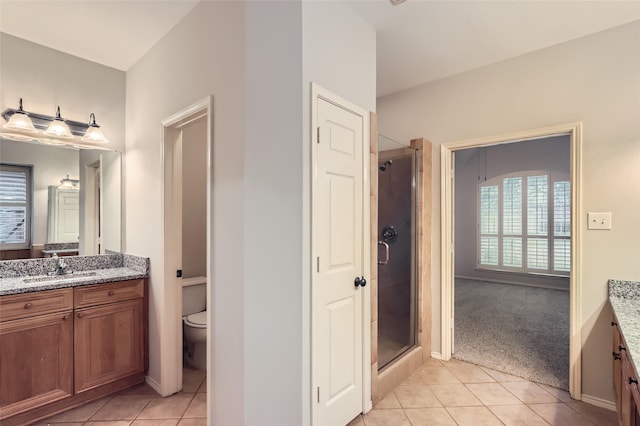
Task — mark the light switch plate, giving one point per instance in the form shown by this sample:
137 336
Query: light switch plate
599 220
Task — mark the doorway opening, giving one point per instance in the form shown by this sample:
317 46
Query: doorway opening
532 245
186 220
512 258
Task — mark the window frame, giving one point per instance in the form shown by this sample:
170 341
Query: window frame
552 178
28 170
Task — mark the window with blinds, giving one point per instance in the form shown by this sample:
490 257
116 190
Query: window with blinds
15 207
524 223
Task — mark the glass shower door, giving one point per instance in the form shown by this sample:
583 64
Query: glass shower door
397 307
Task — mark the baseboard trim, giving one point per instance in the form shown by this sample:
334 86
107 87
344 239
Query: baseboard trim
155 385
436 355
599 402
493 280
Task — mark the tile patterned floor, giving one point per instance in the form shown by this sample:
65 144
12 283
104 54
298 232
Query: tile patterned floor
457 393
142 406
439 393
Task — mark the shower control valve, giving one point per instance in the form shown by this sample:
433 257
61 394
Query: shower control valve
360 281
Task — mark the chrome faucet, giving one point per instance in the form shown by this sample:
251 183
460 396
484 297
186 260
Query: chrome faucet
61 266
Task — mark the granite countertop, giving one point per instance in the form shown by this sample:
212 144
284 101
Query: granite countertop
625 301
24 276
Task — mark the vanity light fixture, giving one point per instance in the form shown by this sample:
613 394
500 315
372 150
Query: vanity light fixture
93 133
29 126
20 121
58 128
69 183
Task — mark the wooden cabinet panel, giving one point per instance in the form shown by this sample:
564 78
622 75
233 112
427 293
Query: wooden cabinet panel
100 294
627 406
617 368
54 357
36 361
625 382
29 304
108 343
635 394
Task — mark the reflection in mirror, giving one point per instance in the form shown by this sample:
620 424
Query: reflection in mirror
74 196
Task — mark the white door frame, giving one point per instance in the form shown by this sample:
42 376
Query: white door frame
91 228
318 92
170 315
447 251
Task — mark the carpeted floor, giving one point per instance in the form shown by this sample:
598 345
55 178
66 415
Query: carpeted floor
523 331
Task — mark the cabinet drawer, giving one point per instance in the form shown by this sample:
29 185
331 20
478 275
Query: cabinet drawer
100 294
16 306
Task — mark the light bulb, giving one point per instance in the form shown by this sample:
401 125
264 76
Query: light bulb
20 121
58 128
93 133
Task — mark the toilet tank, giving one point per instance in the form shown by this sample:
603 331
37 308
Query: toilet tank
194 295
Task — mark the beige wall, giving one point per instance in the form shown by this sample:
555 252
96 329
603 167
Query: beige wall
194 199
595 80
273 233
202 55
252 58
45 78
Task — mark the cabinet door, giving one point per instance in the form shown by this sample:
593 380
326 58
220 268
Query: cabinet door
627 405
36 361
635 393
108 343
617 367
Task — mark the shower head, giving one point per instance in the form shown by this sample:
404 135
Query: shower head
384 165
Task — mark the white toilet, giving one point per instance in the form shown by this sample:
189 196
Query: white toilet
194 319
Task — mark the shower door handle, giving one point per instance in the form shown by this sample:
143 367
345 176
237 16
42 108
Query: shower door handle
386 253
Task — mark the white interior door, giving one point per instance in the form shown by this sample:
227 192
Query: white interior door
338 250
67 216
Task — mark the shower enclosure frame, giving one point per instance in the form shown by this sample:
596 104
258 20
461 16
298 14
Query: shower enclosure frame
383 382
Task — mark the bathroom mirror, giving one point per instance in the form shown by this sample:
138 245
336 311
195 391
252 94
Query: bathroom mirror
75 199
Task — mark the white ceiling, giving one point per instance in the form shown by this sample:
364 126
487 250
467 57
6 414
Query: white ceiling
421 41
112 33
418 41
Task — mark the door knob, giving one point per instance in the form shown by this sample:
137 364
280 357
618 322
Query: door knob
360 281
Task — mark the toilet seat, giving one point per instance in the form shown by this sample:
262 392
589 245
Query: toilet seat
197 320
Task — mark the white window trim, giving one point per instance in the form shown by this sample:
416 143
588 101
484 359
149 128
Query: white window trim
552 177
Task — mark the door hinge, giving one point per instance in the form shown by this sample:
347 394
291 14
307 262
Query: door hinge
318 135
318 264
179 273
318 395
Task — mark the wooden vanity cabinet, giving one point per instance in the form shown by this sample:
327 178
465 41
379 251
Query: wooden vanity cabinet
36 350
625 382
108 333
63 348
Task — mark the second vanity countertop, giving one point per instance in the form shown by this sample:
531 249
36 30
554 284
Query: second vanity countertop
24 276
624 297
